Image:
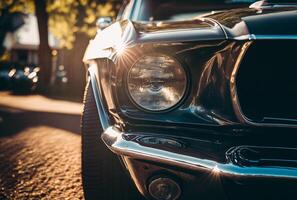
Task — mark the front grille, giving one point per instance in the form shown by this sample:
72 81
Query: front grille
267 81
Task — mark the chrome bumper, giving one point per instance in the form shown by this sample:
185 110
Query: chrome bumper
123 144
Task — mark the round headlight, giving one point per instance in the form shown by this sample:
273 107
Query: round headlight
156 82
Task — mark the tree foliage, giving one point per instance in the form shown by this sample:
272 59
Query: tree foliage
66 17
25 6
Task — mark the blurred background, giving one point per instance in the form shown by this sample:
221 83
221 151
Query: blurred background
44 41
42 79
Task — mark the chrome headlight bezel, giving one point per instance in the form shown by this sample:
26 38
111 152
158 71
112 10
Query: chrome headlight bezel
177 103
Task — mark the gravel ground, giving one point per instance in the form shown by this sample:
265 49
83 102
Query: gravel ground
39 155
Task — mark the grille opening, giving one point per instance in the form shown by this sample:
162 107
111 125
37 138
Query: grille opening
267 81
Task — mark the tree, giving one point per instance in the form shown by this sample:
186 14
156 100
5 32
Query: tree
44 51
66 20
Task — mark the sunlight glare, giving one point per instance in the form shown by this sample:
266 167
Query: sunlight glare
216 170
120 48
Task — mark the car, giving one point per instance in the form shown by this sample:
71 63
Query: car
18 78
192 100
24 78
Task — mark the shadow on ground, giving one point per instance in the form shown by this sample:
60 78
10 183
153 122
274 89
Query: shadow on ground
14 120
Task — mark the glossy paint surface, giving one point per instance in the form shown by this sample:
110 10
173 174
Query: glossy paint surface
273 22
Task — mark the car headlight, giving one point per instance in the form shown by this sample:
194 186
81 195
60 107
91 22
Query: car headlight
156 82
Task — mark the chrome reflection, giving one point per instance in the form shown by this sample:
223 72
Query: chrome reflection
265 37
134 149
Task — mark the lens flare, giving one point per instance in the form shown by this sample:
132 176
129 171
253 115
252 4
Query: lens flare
120 48
216 170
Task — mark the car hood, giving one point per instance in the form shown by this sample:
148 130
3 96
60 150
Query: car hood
238 24
270 21
127 33
191 30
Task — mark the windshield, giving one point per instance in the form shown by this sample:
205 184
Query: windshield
157 10
174 10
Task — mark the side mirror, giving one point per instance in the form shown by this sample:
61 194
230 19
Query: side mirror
103 22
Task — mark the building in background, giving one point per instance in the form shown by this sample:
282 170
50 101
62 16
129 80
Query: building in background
24 42
23 45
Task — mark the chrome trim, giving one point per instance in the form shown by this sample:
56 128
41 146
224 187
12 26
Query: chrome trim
275 37
103 115
234 96
245 37
260 5
266 37
136 6
117 142
233 88
220 25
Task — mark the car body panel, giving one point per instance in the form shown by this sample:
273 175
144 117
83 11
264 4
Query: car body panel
235 24
204 142
270 22
127 34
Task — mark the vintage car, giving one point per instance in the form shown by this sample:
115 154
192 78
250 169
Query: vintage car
192 100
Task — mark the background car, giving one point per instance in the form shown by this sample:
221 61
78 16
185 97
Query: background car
18 78
24 79
193 100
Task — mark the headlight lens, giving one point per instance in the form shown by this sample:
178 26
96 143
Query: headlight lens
156 82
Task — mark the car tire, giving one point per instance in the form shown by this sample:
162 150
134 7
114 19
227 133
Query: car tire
103 175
